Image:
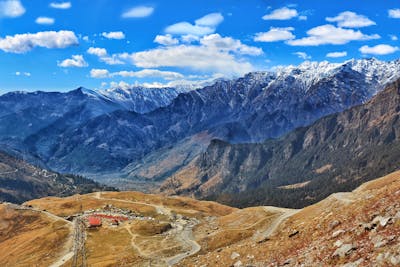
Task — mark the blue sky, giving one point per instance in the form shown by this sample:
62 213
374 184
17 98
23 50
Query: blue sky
61 45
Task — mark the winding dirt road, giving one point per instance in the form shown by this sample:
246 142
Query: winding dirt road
286 213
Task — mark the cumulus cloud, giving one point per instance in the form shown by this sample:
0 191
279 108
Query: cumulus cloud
145 73
228 44
336 54
138 12
302 55
44 21
97 51
166 40
329 34
104 56
202 26
77 61
393 37
212 53
394 13
11 9
114 35
381 49
22 43
350 19
99 73
149 73
61 5
275 35
194 57
283 13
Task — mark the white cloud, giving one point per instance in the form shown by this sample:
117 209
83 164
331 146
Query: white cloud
61 5
329 34
11 9
21 43
99 73
283 13
189 38
381 49
76 61
104 56
166 40
213 54
184 28
393 37
194 57
122 85
350 19
275 35
211 20
228 44
203 26
394 13
112 60
97 51
336 54
114 35
44 21
138 12
302 55
26 74
145 73
149 73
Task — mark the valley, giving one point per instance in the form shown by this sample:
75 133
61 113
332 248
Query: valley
136 229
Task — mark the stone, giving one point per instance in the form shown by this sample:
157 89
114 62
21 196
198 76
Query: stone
353 264
337 233
235 255
395 260
238 264
333 224
378 241
338 243
344 250
287 262
295 232
383 221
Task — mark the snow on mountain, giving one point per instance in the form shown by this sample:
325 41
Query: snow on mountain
141 99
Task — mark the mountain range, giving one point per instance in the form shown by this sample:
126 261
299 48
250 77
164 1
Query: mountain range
336 153
147 135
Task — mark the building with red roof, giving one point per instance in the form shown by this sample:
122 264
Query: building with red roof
94 221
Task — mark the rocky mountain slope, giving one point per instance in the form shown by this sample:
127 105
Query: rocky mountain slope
258 106
347 229
20 181
142 99
336 153
361 228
